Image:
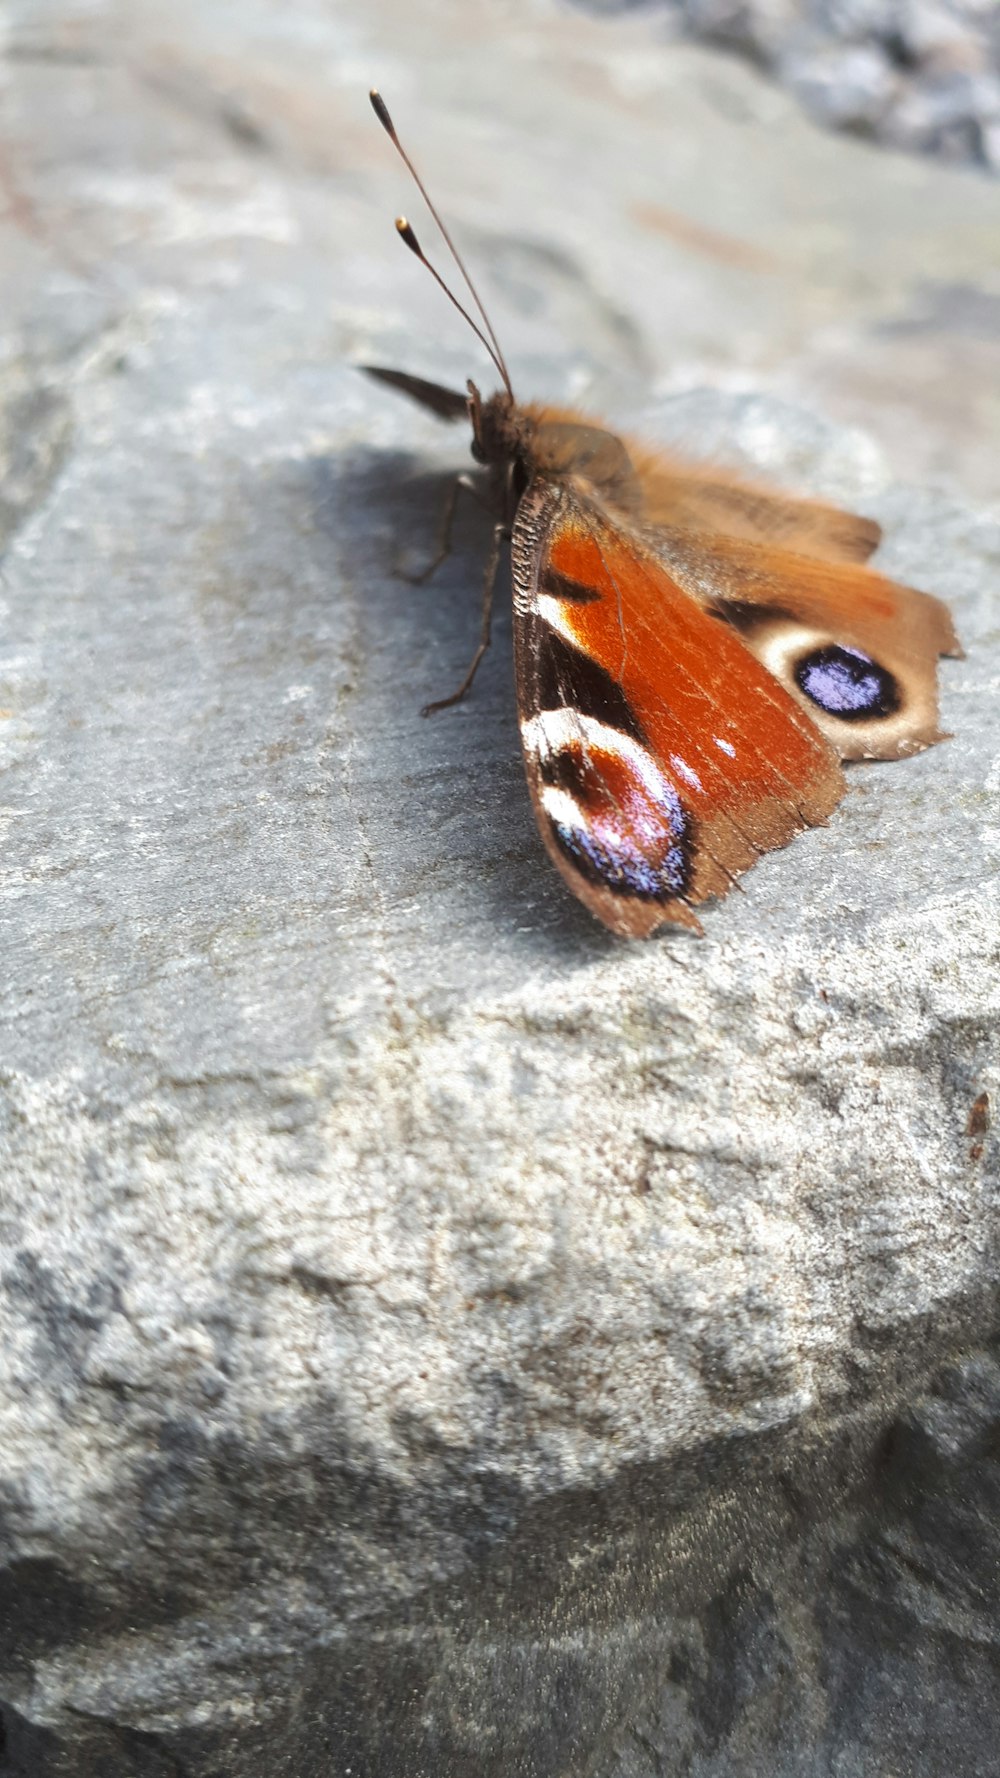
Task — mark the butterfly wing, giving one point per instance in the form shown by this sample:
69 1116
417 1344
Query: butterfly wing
859 652
697 498
662 756
670 491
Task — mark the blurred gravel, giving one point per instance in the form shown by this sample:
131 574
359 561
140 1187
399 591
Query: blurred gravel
922 75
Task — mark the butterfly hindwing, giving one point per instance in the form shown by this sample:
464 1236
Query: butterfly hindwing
859 652
662 756
696 498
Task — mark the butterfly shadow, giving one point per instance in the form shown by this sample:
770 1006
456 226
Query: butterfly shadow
451 816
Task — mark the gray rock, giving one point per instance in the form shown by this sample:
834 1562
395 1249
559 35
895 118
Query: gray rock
437 1337
855 21
758 26
916 74
850 86
946 114
989 141
940 40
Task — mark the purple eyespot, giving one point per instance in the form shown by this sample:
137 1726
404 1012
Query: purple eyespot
622 866
614 812
846 683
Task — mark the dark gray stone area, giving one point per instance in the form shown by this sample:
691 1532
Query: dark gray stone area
801 1606
437 1338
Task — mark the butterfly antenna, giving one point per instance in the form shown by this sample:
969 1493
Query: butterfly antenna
406 233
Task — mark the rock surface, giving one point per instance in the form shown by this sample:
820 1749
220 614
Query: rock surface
918 74
439 1338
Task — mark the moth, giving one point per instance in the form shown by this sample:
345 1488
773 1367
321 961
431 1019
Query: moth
695 655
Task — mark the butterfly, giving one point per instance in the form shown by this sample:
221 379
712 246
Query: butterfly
695 655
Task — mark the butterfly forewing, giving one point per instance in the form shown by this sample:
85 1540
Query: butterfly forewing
662 756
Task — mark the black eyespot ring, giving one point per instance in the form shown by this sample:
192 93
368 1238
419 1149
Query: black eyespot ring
847 683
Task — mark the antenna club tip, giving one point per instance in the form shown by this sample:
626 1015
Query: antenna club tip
407 234
381 110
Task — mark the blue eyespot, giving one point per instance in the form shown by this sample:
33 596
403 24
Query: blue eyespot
846 683
622 867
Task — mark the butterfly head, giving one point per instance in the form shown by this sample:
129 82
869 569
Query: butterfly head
501 431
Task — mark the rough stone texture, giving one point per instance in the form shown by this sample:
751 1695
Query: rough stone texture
918 74
438 1338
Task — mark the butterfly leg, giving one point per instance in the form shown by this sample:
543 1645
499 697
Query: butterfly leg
445 527
489 584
